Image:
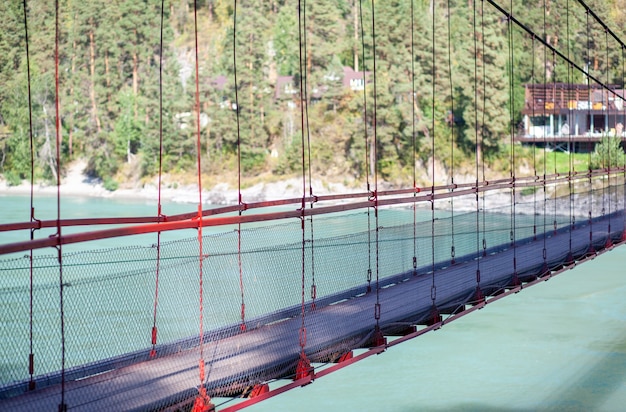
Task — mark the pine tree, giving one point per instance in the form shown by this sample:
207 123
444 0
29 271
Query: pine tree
255 93
485 100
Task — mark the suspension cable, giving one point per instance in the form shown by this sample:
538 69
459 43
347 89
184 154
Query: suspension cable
607 170
545 155
599 20
554 222
159 206
413 98
308 147
589 103
452 130
482 132
478 293
303 368
242 327
59 246
608 31
532 107
377 308
621 138
435 316
203 401
512 131
571 148
31 355
367 153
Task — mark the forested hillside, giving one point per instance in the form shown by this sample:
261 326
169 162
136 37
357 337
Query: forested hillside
110 78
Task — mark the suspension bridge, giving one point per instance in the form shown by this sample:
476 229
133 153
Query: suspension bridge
286 290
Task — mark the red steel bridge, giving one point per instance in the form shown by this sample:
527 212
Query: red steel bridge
282 291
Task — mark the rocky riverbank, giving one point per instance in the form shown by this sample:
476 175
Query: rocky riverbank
77 183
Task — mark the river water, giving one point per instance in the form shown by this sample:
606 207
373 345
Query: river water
560 345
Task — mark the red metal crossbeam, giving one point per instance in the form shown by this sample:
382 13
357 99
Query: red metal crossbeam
212 217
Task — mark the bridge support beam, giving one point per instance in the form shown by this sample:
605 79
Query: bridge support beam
203 402
452 310
478 297
515 282
304 368
435 316
407 331
346 357
258 390
378 339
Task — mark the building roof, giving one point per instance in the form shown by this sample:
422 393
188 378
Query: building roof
286 86
555 98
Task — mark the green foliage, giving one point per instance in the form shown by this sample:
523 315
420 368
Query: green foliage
110 77
12 178
252 161
128 128
286 42
291 161
608 153
110 184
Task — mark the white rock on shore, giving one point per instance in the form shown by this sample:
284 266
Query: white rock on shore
77 183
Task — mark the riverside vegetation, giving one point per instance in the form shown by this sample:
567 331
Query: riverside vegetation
109 69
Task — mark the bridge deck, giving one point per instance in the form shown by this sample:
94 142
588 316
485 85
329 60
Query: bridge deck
272 350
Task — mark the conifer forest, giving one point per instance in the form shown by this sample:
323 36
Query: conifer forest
128 81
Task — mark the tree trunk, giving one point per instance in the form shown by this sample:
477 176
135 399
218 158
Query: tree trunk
135 75
46 151
106 69
372 144
251 109
92 71
418 115
479 155
356 37
71 114
309 64
107 76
